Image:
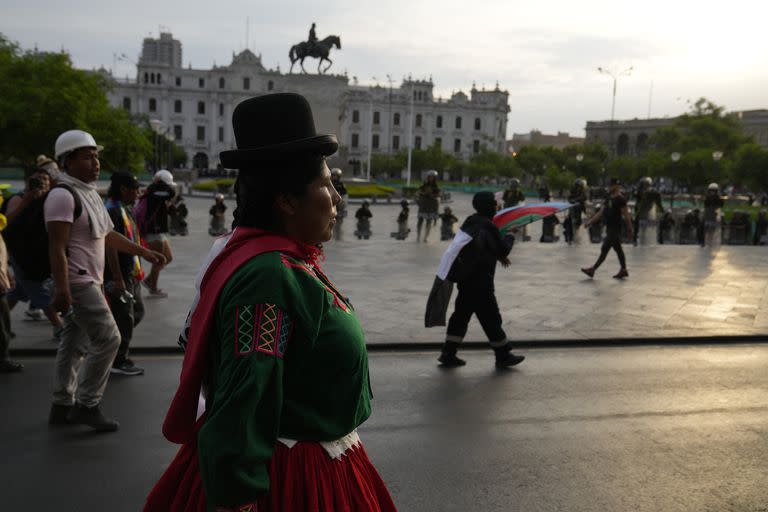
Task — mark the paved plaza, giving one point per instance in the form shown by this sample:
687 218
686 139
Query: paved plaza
672 291
635 429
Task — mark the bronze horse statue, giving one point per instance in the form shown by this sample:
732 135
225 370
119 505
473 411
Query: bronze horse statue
319 50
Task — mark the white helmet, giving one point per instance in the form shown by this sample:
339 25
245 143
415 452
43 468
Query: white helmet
165 176
72 140
515 182
335 171
647 181
431 173
713 186
219 196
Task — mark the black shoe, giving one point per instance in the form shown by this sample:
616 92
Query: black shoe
126 368
93 417
509 360
450 360
59 414
10 367
622 274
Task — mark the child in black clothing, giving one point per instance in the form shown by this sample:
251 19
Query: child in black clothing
448 220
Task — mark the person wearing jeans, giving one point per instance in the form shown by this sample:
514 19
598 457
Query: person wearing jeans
79 228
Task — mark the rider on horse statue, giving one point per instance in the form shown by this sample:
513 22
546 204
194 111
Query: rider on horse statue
312 38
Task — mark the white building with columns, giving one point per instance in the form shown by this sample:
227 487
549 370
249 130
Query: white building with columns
195 106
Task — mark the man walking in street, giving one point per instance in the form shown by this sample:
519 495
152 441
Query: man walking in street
614 210
123 273
79 228
473 271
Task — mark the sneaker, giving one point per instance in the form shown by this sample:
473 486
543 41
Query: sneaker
450 360
622 274
59 414
509 360
10 367
34 315
93 417
126 368
590 271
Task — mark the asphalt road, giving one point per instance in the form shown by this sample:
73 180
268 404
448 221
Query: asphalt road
611 429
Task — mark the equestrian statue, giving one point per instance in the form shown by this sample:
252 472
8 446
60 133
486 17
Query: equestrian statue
314 48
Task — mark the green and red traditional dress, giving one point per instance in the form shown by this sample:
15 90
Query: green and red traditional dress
282 358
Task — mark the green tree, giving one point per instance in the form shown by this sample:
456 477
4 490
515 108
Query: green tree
492 164
697 135
43 95
750 167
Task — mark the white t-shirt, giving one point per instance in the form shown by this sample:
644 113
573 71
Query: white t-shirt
85 258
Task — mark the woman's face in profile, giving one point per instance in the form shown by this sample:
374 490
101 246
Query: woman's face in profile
316 210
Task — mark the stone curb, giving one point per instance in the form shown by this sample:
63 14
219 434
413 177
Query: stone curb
476 345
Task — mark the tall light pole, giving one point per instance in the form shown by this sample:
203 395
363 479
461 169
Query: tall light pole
615 76
370 132
675 157
410 135
156 125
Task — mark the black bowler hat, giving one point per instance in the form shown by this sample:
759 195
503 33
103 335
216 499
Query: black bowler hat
272 127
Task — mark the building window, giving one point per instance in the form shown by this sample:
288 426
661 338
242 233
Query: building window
201 107
201 82
439 122
221 109
458 122
246 83
159 78
221 134
376 118
397 119
375 141
127 104
146 78
177 132
152 105
417 142
151 78
418 120
221 83
477 123
177 106
395 142
457 146
201 133
355 116
178 81
270 85
355 140
475 146
438 143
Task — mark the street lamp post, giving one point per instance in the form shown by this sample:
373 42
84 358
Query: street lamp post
155 124
675 157
410 135
615 76
716 156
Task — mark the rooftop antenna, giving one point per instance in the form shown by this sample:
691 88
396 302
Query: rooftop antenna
247 32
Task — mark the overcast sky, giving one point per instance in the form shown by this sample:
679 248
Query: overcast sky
544 53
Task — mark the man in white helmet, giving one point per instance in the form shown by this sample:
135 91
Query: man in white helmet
79 228
154 223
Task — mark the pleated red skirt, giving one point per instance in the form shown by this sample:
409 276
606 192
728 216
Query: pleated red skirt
302 478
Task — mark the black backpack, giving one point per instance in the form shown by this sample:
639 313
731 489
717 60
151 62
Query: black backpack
27 238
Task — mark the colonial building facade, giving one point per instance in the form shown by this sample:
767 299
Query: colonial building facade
538 139
631 137
195 107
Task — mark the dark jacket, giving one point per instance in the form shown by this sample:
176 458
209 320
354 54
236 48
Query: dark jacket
477 260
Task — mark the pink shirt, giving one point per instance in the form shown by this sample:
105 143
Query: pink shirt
85 254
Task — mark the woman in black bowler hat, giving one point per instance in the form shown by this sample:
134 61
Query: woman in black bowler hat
272 346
